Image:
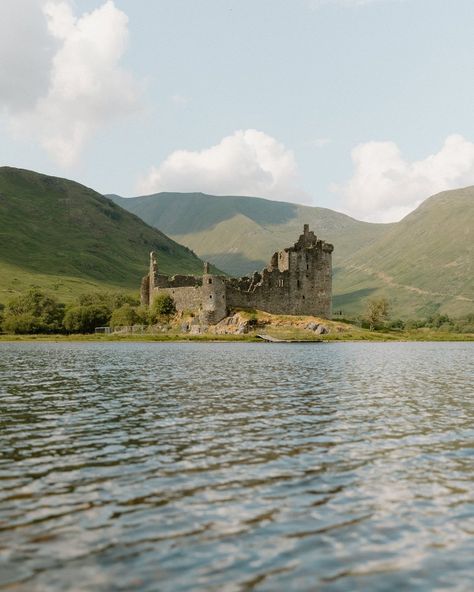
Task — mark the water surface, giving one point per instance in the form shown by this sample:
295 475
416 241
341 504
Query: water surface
235 466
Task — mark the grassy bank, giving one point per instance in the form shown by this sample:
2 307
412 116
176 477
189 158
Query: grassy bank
297 336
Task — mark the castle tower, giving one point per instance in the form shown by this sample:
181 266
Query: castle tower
214 304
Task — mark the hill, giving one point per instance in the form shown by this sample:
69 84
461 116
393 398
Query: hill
239 234
423 264
60 235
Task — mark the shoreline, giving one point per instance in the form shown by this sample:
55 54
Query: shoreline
247 338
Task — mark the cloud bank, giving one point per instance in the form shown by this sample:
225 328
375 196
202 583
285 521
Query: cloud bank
248 162
70 79
385 187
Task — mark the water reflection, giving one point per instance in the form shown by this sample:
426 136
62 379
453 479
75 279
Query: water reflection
236 466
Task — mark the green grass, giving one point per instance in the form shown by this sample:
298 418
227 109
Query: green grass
66 238
159 337
355 335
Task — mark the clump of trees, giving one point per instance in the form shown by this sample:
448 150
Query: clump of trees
33 312
37 312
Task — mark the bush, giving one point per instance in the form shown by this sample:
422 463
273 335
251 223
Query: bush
163 307
33 312
439 320
124 316
143 315
396 324
85 319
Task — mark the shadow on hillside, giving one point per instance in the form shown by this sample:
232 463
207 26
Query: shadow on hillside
185 213
342 300
235 264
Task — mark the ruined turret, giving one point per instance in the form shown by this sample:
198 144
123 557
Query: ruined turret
214 305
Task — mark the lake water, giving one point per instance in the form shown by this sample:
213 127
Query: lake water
177 467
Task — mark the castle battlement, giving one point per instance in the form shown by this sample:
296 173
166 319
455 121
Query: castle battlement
297 281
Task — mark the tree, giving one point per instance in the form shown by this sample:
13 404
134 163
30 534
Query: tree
124 316
163 307
377 311
86 318
33 312
111 300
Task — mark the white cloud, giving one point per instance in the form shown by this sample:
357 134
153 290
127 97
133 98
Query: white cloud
26 53
385 187
85 85
246 163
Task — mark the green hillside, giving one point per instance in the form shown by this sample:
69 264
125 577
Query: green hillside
239 234
64 237
423 264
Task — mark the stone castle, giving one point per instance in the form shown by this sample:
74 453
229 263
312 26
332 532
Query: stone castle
297 281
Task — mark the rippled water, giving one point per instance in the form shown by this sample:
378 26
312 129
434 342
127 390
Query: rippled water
236 467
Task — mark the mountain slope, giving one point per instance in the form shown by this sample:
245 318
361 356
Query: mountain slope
426 261
61 235
239 234
423 264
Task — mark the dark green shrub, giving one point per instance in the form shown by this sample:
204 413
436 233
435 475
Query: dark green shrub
85 319
126 315
163 307
33 312
111 300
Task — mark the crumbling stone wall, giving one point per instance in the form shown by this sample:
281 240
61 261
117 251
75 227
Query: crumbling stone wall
185 298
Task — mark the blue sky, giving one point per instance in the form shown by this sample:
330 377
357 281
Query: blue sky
361 106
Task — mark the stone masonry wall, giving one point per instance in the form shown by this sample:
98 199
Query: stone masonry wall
186 298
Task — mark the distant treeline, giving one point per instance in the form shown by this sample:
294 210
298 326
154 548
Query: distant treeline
37 312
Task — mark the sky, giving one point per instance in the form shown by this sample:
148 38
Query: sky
362 106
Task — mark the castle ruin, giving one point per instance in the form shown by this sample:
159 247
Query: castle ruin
297 281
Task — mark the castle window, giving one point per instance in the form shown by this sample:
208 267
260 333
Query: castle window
210 296
307 265
298 284
209 281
